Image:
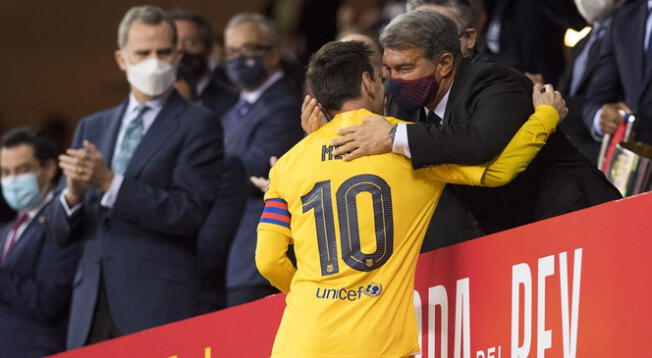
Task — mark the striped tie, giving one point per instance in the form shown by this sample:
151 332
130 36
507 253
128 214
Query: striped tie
133 134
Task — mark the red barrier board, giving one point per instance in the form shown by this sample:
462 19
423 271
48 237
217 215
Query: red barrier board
577 285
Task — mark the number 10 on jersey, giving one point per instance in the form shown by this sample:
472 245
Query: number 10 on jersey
319 200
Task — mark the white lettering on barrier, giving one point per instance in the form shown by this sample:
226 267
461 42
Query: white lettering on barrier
521 276
569 329
462 320
544 336
437 296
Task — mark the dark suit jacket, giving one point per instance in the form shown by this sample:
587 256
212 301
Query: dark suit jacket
270 128
217 233
487 105
575 127
217 97
144 247
35 289
620 73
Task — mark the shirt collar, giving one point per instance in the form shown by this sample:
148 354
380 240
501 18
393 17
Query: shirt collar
253 96
440 109
156 104
203 82
32 213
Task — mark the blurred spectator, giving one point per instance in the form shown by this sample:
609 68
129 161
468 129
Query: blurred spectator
186 84
265 122
36 275
624 73
139 181
528 35
460 11
196 41
574 83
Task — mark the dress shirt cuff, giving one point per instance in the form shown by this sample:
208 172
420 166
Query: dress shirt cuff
401 145
69 211
108 199
597 132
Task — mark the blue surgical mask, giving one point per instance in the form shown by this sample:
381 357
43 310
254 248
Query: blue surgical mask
246 72
22 192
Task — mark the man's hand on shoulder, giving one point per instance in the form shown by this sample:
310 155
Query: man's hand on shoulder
371 137
546 95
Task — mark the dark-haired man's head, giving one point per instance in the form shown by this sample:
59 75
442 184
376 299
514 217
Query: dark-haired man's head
195 40
27 166
342 76
460 11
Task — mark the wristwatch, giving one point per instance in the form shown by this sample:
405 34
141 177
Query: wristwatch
392 132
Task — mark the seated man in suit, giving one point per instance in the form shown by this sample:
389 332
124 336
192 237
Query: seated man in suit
196 40
36 275
623 74
476 107
574 83
139 181
265 122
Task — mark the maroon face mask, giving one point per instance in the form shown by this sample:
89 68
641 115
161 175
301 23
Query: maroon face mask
413 94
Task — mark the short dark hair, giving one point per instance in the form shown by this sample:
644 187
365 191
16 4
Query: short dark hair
44 148
430 31
463 8
205 28
336 70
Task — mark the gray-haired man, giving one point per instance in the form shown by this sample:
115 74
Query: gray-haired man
139 180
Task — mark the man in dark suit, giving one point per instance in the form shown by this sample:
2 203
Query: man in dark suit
574 83
139 180
476 106
624 73
36 275
265 122
196 40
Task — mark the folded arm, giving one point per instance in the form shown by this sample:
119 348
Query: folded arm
272 260
514 159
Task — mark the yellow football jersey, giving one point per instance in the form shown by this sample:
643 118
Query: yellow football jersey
357 228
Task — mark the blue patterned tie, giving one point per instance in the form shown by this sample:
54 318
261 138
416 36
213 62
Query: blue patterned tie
133 134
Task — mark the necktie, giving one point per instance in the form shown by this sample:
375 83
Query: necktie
583 58
133 134
433 118
242 108
13 237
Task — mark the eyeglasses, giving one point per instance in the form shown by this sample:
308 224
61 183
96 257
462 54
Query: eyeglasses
246 50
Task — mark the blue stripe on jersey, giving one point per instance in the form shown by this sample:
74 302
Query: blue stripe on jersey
276 211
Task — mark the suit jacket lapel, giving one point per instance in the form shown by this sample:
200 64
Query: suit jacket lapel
157 135
637 29
458 81
32 235
107 142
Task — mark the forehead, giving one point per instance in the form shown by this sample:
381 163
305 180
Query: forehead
142 35
186 28
16 155
244 33
402 56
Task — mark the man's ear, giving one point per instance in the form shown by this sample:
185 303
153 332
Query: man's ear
120 59
366 85
471 37
446 65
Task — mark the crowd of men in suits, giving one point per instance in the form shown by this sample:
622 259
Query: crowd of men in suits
154 219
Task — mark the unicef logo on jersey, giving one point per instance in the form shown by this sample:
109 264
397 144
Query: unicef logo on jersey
370 290
373 289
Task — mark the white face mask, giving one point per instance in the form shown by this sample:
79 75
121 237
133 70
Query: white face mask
596 10
152 77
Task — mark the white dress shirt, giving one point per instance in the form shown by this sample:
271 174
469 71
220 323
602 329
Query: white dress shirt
133 107
254 95
401 144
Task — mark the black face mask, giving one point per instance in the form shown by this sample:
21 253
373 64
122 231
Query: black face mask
413 94
246 72
197 63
